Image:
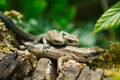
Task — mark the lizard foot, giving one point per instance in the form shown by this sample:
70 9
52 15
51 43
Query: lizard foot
31 46
46 46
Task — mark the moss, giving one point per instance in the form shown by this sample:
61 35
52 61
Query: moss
114 72
110 62
111 57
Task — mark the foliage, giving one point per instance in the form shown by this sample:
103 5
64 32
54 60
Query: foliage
59 11
110 19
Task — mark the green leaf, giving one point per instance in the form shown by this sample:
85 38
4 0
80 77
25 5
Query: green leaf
110 19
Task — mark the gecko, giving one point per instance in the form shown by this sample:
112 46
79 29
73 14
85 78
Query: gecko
53 36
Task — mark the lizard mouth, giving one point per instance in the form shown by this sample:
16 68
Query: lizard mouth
94 55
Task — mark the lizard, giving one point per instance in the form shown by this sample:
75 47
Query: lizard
53 36
82 54
68 53
59 38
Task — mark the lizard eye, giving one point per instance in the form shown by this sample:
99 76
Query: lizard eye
56 41
69 41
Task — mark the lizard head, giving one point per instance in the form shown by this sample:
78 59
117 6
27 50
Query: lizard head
56 37
72 39
93 52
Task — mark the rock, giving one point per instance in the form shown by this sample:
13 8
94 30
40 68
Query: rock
85 74
97 74
70 70
44 70
7 65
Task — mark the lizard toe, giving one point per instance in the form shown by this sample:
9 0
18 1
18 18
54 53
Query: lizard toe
46 46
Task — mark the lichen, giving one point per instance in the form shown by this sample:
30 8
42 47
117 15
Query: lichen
7 39
14 13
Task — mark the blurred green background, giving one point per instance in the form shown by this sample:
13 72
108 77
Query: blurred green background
73 16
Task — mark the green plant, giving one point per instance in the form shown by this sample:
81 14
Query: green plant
110 19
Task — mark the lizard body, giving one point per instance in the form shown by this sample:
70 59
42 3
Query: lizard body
83 54
55 37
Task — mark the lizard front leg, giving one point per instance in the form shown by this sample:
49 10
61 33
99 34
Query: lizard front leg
63 33
46 45
35 42
38 39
